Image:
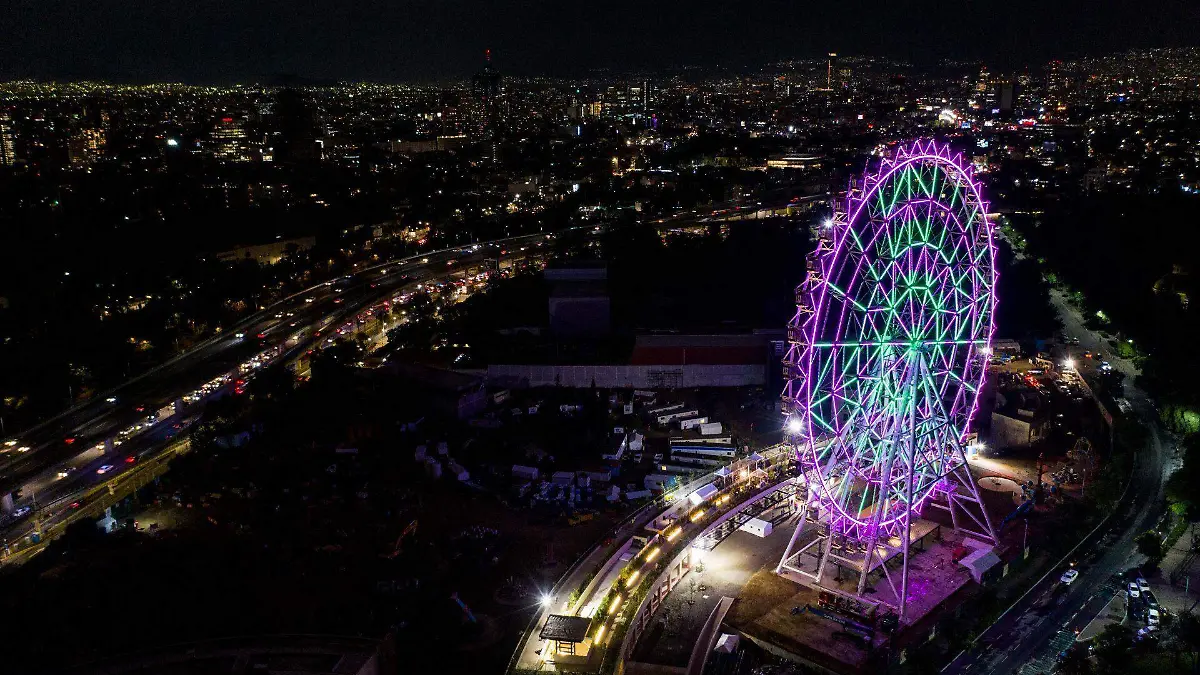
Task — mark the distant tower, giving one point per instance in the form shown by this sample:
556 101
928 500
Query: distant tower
295 129
829 72
487 93
7 140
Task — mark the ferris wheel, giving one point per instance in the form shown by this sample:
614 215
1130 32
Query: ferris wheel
887 355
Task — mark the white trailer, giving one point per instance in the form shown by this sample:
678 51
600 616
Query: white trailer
525 472
667 418
692 422
757 527
710 428
663 408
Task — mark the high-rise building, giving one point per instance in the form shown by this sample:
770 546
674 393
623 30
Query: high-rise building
229 140
487 93
86 146
295 138
8 155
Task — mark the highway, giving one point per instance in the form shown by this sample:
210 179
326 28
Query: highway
1028 638
47 468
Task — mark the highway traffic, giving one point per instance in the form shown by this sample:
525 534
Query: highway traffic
46 470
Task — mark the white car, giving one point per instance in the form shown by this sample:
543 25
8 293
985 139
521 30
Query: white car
1152 617
1143 586
105 469
1069 576
1134 592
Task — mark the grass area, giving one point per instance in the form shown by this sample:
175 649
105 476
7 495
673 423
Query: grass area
764 591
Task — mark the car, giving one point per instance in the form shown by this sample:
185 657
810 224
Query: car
239 335
105 469
1134 592
23 511
63 473
75 505
1069 576
1146 632
1142 584
130 459
1152 617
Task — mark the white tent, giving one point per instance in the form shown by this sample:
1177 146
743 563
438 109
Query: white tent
727 643
702 494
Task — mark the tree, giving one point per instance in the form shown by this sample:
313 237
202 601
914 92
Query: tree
1114 648
1077 661
1149 544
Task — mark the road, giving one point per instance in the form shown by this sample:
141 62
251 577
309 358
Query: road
64 454
1028 638
47 467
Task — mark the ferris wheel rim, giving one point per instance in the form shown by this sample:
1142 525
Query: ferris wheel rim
982 327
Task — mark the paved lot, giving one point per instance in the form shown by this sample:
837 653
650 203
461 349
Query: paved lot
727 568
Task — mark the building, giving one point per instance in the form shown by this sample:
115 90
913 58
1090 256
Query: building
229 140
487 94
656 362
1020 420
8 155
269 253
435 144
86 146
444 392
579 302
794 162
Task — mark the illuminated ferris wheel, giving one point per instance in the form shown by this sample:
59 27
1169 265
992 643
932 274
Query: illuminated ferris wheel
887 357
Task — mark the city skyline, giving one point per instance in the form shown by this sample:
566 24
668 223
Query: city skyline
223 43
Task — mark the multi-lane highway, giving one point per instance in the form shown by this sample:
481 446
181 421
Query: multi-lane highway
47 469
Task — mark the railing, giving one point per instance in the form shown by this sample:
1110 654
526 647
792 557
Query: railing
640 520
99 498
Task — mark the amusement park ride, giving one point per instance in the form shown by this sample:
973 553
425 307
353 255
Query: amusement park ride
887 354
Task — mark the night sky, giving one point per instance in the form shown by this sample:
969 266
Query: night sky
219 41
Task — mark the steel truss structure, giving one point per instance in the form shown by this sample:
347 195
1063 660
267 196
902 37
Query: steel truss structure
887 354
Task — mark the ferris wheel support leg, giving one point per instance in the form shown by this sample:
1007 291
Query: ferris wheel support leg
984 520
904 570
787 552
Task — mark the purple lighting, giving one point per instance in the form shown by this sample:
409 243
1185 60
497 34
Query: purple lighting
884 368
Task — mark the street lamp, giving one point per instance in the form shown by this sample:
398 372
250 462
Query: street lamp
546 600
1069 364
794 425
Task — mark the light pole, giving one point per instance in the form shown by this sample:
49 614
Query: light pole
1025 540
